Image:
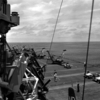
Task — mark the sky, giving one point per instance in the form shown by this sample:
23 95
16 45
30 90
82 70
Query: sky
38 18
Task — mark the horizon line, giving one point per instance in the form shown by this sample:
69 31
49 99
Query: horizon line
54 42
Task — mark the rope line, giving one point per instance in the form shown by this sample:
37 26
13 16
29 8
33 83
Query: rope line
88 48
55 26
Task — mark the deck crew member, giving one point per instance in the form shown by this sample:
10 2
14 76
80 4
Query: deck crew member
55 76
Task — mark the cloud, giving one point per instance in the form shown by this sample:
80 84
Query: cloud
38 18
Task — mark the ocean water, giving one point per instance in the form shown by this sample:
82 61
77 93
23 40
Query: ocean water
76 51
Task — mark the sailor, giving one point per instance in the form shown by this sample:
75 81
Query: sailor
78 87
55 76
84 64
